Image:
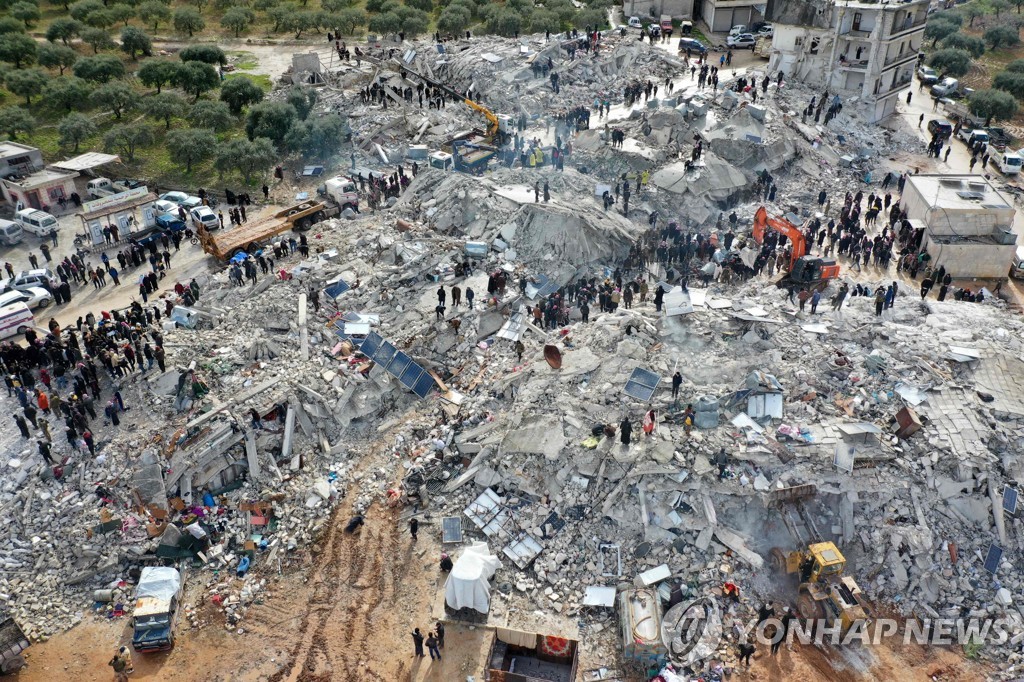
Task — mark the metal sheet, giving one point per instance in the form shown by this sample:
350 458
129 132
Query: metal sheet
597 595
523 550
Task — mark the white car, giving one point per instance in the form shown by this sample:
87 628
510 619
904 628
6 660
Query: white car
204 215
161 206
738 29
26 279
33 297
741 40
767 31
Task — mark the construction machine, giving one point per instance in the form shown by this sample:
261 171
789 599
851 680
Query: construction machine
810 271
823 592
498 126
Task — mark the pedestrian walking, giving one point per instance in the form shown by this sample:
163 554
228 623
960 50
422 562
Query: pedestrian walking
22 425
439 628
747 650
126 655
920 121
120 666
414 527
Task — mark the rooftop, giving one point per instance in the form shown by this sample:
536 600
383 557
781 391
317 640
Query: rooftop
964 192
40 178
861 4
9 148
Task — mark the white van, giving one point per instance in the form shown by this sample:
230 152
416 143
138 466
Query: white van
738 29
634 22
37 222
10 233
15 319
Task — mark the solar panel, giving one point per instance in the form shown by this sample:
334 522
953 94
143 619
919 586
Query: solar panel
642 384
1010 496
423 385
384 354
451 529
371 344
398 364
336 289
410 375
995 555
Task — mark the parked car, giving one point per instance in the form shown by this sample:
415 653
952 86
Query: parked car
634 22
182 199
170 222
204 215
940 127
693 45
738 29
766 31
10 233
742 40
161 206
947 87
927 75
33 297
27 279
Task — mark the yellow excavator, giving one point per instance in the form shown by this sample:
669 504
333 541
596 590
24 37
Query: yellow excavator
823 592
497 126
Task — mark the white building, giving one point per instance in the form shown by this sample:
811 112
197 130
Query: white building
722 15
968 224
863 51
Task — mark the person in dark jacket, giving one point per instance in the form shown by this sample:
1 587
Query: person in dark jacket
625 431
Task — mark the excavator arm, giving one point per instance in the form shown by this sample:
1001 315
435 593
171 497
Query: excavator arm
783 227
492 130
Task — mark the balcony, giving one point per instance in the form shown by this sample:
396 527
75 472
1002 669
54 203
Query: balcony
900 59
856 34
853 64
886 91
905 27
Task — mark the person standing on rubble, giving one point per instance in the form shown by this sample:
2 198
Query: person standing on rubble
441 295
520 349
414 527
536 192
721 461
547 192
625 431
469 298
879 301
456 296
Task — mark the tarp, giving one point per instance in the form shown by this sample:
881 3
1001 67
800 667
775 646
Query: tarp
467 585
158 582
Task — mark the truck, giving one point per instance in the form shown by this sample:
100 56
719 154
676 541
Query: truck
666 24
157 602
342 191
103 187
947 87
12 642
252 236
1007 161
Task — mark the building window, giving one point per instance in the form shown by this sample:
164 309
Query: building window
19 160
857 16
814 45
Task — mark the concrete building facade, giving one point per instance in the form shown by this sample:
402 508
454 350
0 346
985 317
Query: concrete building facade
651 10
968 224
722 15
863 51
19 159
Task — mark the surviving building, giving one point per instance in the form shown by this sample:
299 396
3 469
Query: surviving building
863 51
968 225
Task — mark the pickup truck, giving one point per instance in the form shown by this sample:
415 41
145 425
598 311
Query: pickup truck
1008 162
157 602
343 191
947 87
103 187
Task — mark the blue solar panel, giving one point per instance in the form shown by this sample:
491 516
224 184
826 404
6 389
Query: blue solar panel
371 344
642 384
1010 496
336 289
423 385
645 377
399 364
384 354
411 375
995 555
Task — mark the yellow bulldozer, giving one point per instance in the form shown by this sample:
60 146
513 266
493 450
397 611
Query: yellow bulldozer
824 592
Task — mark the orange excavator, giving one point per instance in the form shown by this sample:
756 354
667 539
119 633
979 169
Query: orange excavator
803 269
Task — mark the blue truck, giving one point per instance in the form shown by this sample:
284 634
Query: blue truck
157 602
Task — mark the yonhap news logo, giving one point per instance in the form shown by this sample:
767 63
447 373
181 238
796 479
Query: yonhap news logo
692 631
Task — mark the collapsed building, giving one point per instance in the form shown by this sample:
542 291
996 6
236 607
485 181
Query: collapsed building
901 433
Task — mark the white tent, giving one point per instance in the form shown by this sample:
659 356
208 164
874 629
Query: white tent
467 584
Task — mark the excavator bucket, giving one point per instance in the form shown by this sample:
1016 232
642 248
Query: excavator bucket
760 222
